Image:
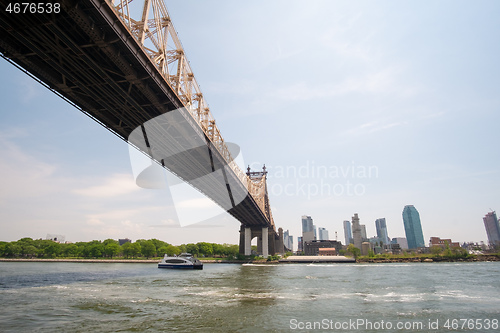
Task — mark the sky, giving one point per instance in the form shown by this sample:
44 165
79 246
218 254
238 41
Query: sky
353 106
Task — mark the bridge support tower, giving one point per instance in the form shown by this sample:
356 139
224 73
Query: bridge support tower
268 242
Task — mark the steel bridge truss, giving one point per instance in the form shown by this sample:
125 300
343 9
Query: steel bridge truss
158 38
90 55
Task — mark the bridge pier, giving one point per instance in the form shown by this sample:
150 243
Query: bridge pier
265 242
268 243
248 241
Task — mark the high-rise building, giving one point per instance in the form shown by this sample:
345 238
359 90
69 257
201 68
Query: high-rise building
381 227
356 231
413 228
308 229
364 238
300 244
347 233
307 224
492 226
323 234
288 240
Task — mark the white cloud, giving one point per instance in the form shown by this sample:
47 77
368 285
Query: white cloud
23 175
115 185
112 215
94 221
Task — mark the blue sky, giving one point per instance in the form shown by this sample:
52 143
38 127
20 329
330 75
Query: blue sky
355 107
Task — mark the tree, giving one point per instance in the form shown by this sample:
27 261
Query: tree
127 249
353 250
27 247
193 249
447 250
218 249
173 250
12 249
162 250
93 249
436 249
70 250
96 249
112 249
30 251
52 249
135 249
205 248
109 241
148 249
158 243
2 249
232 250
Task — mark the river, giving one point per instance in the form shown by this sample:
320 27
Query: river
119 297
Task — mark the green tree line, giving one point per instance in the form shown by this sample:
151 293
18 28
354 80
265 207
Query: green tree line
110 248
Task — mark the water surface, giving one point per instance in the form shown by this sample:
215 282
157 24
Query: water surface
95 297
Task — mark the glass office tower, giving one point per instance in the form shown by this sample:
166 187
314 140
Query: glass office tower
413 228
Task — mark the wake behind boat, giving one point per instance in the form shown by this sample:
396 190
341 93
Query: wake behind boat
184 260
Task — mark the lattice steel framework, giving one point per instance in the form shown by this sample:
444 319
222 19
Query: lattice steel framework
155 33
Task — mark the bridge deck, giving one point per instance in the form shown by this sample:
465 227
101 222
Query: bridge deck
86 55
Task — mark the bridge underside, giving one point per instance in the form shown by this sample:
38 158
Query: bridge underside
86 55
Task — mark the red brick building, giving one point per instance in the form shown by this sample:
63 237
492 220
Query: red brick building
436 241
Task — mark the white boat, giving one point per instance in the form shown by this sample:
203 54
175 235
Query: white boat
184 260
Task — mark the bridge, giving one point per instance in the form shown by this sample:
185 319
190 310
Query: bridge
122 64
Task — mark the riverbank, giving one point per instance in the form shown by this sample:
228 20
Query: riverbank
114 261
478 258
290 259
106 261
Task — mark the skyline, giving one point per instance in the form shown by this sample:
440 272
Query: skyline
353 108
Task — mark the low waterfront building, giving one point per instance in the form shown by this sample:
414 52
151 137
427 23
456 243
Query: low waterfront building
327 251
365 248
393 248
312 248
436 241
403 244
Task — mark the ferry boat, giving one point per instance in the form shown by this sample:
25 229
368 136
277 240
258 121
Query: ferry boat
184 260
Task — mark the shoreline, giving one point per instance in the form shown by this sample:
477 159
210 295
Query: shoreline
479 258
105 261
113 261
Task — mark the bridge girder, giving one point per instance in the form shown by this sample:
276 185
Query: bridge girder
122 73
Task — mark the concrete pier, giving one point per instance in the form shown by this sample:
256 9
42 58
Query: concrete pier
248 241
268 242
